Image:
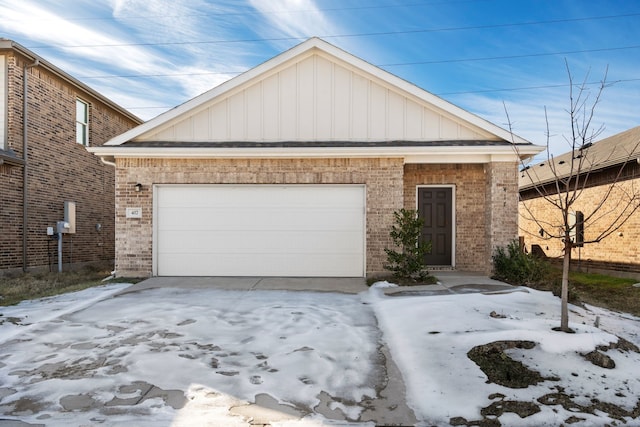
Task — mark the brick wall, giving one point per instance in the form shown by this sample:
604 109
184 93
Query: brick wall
468 179
501 212
10 216
382 177
59 169
619 248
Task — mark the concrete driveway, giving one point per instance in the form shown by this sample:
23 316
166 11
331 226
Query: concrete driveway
120 358
448 282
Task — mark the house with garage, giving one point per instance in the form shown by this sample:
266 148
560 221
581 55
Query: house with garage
609 179
48 119
296 167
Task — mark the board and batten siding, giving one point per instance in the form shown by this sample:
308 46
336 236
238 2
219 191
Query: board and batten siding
316 99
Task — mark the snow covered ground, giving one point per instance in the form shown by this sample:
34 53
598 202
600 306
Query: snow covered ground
182 357
444 383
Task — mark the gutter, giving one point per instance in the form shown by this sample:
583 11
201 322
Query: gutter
409 154
212 151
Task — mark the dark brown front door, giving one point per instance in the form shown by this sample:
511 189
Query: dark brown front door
435 208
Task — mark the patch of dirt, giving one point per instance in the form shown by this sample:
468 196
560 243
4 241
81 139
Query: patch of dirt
487 422
502 369
11 319
622 345
600 359
614 411
522 409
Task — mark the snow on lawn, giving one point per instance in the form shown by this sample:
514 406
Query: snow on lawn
183 357
430 336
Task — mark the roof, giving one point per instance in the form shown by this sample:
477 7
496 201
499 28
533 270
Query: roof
614 150
297 99
6 44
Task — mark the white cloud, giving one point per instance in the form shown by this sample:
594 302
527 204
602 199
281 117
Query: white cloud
526 111
124 41
294 18
194 45
100 46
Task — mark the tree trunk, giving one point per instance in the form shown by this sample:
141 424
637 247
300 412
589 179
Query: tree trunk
564 294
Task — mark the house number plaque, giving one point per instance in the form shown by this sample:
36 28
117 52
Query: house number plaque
134 212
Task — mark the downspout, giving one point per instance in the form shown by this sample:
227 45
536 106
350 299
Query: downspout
109 163
25 168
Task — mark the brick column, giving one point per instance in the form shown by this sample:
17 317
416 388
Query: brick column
501 207
385 195
133 239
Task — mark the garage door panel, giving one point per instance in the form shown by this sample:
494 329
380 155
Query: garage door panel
175 218
262 242
235 230
335 265
235 196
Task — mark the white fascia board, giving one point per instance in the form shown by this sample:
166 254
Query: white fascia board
410 154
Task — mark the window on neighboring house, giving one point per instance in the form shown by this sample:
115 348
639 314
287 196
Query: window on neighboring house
82 122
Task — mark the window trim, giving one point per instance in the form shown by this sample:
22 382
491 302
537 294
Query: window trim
84 138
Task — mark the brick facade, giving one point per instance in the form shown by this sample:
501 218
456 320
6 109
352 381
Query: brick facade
59 170
382 177
619 251
390 185
485 206
501 189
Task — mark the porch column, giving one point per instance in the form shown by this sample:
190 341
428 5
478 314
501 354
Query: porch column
501 207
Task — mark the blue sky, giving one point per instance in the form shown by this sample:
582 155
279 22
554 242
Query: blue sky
151 55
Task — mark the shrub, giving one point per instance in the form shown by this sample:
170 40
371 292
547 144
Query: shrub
406 233
513 266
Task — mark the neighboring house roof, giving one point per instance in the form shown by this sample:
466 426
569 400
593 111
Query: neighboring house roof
6 44
315 98
614 150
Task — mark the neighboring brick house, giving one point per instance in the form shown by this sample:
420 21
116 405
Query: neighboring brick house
613 159
296 167
63 117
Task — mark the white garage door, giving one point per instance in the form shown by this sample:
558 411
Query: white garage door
259 230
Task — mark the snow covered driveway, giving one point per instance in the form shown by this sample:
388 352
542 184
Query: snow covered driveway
208 357
132 358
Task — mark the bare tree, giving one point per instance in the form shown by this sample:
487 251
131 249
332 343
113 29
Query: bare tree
561 181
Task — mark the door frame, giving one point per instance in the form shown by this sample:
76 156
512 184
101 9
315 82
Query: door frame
453 214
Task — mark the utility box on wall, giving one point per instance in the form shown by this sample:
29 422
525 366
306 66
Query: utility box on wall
70 216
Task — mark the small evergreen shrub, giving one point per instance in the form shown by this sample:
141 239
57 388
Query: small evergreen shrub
407 263
513 266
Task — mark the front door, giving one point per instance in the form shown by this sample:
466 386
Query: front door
435 208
